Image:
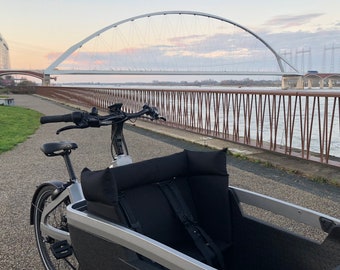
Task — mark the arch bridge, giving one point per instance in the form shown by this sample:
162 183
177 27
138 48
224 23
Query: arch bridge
39 74
191 48
321 79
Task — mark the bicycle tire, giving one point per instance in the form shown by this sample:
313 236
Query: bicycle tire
57 219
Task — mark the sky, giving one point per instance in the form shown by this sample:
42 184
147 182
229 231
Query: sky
36 29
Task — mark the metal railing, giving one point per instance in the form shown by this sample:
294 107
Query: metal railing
302 123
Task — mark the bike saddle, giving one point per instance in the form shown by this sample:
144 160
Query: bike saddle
58 148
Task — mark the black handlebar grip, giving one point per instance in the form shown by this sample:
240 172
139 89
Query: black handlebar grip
72 117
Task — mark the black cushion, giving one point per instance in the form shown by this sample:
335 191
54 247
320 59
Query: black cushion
201 178
104 185
99 186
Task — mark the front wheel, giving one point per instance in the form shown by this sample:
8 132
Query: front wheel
49 241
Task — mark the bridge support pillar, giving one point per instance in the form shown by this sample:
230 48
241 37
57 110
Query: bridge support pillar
284 83
322 82
300 83
309 83
46 80
330 83
289 81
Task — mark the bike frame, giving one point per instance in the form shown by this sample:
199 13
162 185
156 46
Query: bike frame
72 188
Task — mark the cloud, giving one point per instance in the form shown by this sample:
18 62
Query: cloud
285 21
51 56
183 41
171 58
294 40
315 42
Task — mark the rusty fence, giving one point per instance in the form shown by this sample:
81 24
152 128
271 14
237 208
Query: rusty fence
302 123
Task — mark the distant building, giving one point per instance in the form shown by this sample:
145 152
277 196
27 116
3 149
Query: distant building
4 54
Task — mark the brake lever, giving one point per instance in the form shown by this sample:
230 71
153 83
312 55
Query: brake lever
154 118
66 128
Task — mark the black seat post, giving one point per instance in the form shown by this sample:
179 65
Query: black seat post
68 163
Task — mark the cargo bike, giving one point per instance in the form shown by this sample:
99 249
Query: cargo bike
171 212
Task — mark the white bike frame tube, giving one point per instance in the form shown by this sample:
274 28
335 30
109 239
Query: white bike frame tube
154 250
289 210
75 193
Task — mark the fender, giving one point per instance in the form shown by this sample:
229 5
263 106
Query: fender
56 184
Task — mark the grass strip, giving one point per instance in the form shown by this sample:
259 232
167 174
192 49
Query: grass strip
16 125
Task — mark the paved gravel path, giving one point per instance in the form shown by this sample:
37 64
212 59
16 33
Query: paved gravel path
25 167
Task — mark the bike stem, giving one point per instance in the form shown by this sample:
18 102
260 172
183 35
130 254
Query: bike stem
118 140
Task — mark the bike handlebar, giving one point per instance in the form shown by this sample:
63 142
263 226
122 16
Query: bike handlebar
71 117
92 119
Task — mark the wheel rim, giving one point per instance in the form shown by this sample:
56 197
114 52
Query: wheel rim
57 219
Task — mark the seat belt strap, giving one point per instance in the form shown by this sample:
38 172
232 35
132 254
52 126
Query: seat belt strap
134 223
202 241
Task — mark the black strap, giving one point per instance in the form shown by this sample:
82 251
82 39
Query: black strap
203 242
134 223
